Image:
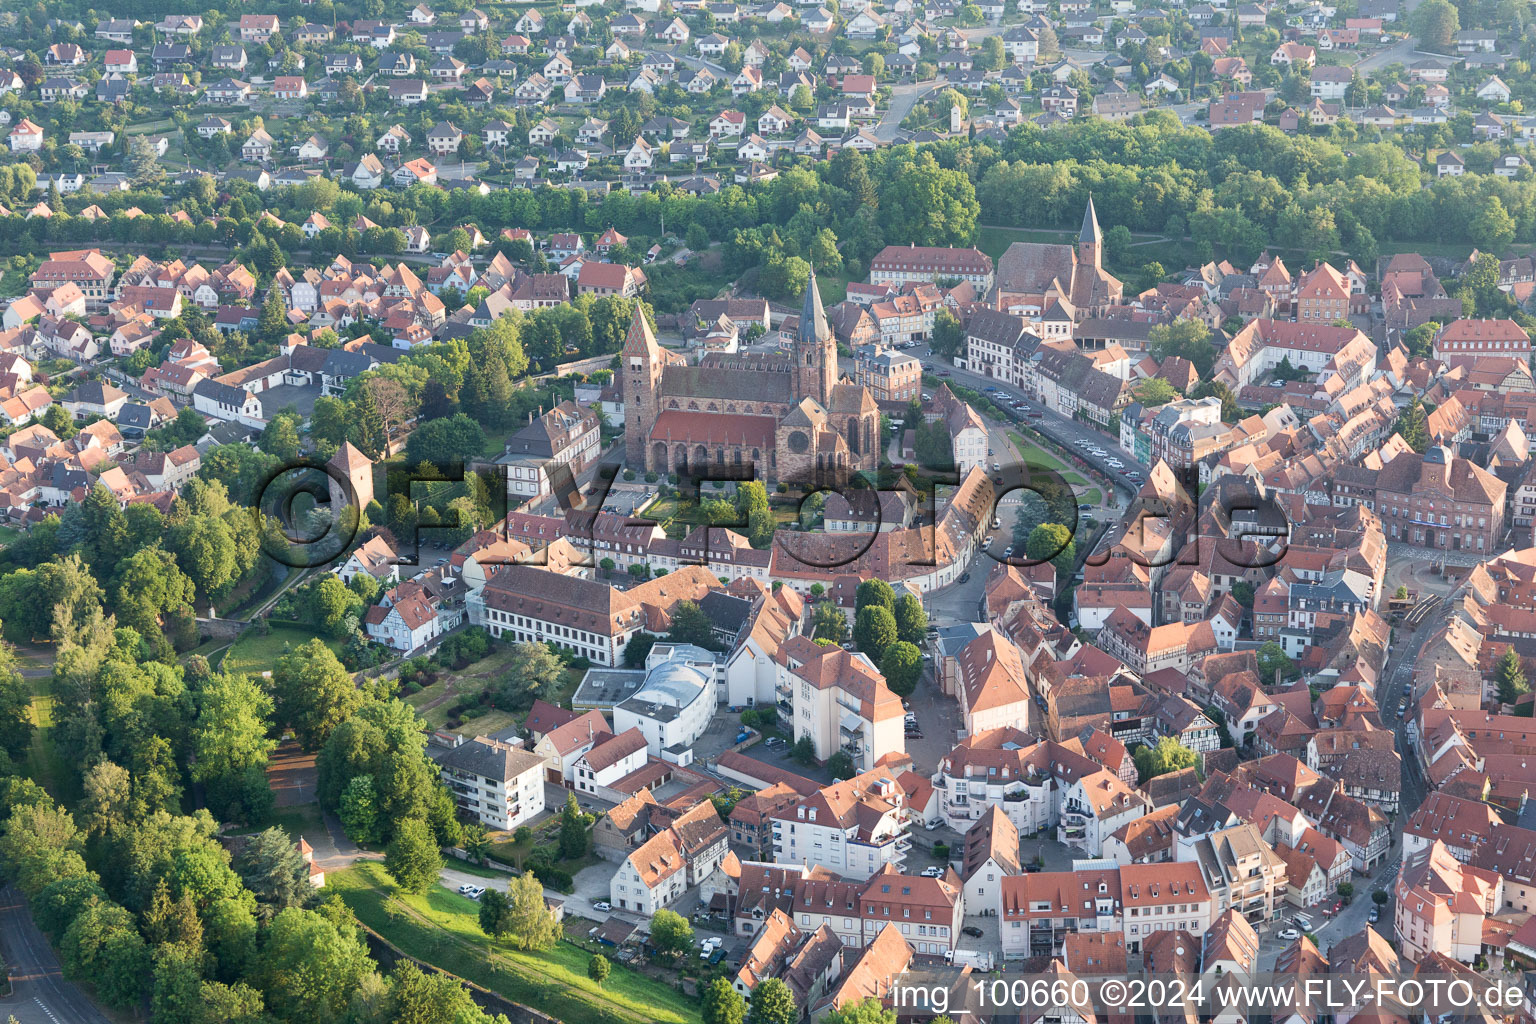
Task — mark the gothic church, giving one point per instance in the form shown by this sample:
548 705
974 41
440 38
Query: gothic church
785 413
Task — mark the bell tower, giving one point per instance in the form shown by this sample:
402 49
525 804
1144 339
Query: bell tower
1090 239
642 366
815 350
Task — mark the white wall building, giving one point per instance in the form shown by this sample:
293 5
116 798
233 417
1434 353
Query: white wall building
674 705
500 784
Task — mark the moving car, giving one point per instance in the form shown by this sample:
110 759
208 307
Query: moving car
1375 915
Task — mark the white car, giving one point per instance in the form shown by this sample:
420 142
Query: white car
474 892
602 905
1289 934
1116 463
933 872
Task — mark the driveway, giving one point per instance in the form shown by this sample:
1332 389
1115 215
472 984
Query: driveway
591 884
39 993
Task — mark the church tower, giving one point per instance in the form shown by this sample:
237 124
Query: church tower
815 350
642 361
1090 239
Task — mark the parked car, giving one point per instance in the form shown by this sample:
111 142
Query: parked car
602 905
972 931
472 891
1288 934
933 872
1375 915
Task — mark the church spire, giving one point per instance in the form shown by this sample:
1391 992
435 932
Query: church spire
1090 234
639 341
813 318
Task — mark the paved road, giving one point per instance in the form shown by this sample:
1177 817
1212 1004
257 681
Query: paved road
40 995
1401 52
903 98
1065 432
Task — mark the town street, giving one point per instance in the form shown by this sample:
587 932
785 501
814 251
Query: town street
39 995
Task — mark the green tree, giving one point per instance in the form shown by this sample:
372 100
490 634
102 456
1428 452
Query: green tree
359 811
231 746
840 766
828 622
865 1011
313 692
902 667
1420 341
911 619
1272 658
532 923
495 917
1491 228
874 592
1167 755
1509 677
1052 542
690 625
280 437
532 671
1413 425
412 858
804 750
309 967
1190 339
598 968
671 933
874 631
948 334
331 602
271 866
773 1003
722 1004
1155 391
103 946
15 708
638 648
1436 23
573 830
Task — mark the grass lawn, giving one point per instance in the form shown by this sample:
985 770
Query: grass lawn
8 534
435 702
43 763
543 836
1091 496
442 928
1037 456
995 240
298 820
254 654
